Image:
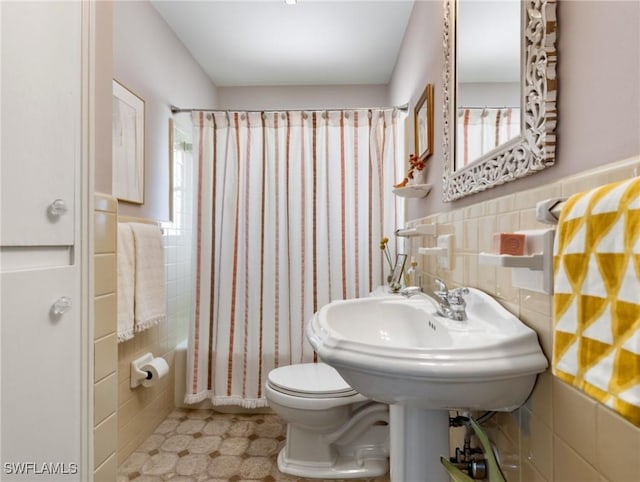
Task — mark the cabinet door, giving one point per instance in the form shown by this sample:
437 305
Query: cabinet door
41 93
41 376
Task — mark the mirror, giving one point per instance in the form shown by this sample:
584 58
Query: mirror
488 77
500 109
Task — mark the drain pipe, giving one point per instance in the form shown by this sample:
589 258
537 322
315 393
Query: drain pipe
470 459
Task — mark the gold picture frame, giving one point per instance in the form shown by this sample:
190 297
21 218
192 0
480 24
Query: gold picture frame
423 124
127 143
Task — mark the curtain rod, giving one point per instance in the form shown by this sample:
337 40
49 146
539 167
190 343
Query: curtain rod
178 110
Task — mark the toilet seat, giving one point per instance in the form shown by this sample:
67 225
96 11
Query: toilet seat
309 380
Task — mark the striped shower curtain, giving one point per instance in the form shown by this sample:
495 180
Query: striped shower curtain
481 130
291 207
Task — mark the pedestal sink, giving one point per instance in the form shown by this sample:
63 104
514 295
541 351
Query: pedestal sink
400 351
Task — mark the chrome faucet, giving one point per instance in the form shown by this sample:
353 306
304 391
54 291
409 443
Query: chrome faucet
450 303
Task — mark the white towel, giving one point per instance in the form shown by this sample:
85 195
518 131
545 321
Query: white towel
126 277
150 305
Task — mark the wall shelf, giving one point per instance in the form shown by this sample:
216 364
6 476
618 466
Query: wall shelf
414 190
531 261
433 251
443 251
419 230
532 271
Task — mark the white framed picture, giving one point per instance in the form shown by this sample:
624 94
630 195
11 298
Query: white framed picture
127 142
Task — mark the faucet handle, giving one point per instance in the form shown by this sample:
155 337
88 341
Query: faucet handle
455 296
459 291
458 304
440 286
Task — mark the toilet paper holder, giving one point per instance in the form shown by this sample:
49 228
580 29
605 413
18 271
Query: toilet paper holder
139 374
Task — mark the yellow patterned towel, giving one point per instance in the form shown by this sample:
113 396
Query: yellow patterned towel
596 302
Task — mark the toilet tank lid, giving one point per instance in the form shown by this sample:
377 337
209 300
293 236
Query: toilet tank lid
309 378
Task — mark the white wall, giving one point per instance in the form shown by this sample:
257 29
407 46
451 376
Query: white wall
150 60
420 63
103 95
303 97
488 94
598 100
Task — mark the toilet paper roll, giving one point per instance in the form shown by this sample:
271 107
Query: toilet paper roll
156 369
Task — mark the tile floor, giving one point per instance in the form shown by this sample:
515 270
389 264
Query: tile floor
207 446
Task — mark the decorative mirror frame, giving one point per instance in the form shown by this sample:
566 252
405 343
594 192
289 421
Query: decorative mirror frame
424 104
535 148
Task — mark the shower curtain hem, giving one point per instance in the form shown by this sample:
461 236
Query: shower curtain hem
233 400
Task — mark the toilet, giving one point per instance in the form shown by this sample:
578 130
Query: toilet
333 432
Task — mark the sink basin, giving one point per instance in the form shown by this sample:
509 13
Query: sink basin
400 351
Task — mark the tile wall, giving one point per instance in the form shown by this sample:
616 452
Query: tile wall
560 434
142 409
105 350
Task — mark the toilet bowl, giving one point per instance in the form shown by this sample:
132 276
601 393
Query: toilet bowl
332 430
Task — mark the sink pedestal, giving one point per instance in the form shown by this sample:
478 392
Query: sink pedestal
418 437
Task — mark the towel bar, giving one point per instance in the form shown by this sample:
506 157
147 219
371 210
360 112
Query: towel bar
548 211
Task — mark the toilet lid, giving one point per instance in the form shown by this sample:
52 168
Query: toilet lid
315 380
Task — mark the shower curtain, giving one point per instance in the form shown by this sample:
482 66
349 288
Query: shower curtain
291 207
481 130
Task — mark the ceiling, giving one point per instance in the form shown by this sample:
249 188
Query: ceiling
269 43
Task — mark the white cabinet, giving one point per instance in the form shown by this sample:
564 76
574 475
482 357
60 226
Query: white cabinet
41 369
41 122
44 243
